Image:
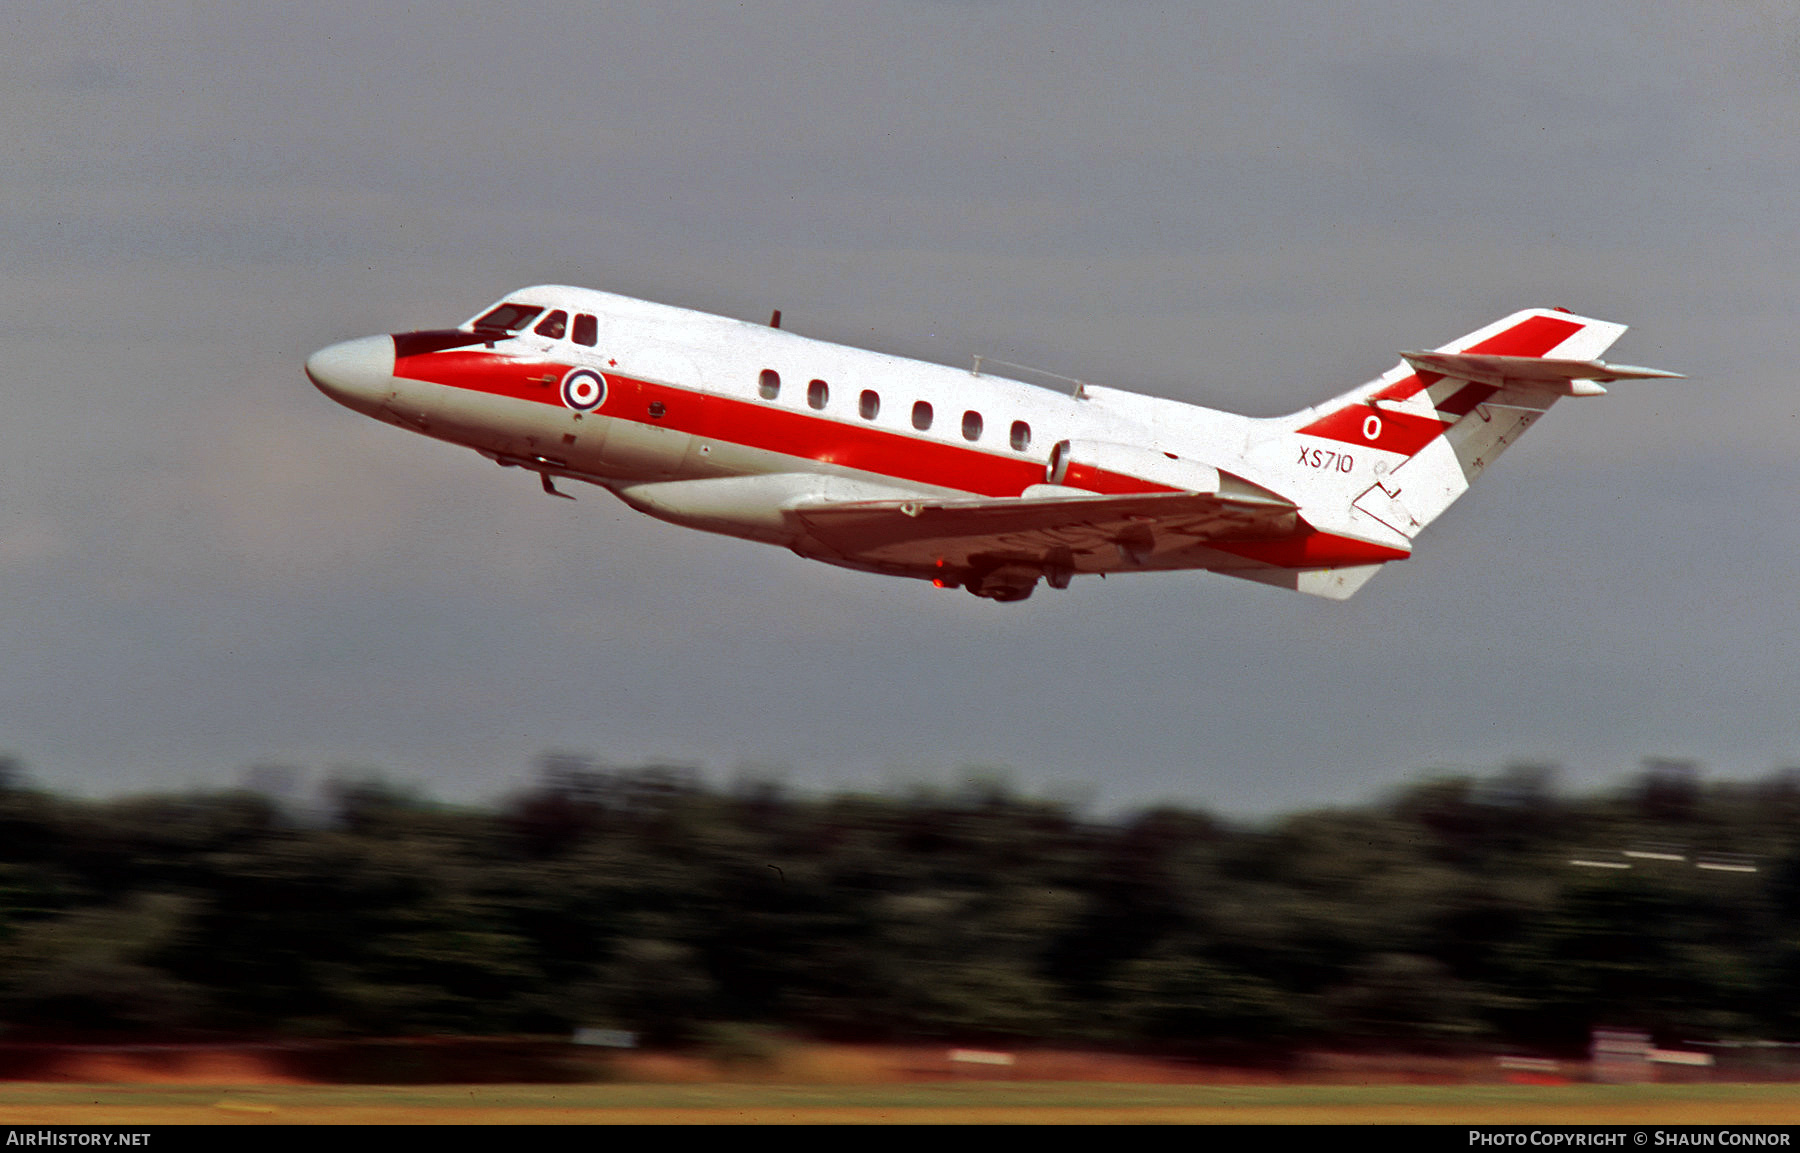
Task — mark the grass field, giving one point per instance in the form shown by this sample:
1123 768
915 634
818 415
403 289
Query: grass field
964 1103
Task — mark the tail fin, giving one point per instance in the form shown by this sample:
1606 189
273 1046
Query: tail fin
1435 422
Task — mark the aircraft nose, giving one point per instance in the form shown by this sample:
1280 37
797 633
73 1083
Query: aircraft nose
358 374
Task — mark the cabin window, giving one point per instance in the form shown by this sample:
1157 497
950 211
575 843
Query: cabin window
817 393
1021 436
921 415
587 330
554 325
868 405
971 425
769 387
508 318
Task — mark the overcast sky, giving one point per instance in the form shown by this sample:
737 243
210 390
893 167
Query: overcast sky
207 565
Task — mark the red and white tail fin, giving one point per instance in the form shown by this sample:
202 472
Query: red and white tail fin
1382 461
1432 424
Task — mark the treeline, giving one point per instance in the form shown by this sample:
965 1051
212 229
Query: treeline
1463 912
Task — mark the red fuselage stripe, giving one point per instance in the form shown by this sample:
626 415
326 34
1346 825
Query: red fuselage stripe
763 426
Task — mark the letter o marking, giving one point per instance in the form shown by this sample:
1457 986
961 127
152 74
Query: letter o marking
583 389
1371 427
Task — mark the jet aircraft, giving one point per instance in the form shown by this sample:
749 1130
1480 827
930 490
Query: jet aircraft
962 477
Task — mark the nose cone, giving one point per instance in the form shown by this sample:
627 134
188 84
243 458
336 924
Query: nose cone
358 374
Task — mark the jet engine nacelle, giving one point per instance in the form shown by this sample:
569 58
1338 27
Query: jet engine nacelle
1081 463
753 507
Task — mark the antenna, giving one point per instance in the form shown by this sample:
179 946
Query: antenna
1079 392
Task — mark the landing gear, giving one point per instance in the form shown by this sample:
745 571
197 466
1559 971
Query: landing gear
1007 583
1003 593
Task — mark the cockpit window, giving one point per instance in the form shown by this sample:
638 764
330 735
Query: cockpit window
554 325
587 330
508 317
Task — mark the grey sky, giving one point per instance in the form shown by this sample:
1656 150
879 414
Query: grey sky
208 565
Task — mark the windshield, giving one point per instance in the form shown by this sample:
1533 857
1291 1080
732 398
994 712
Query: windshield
508 317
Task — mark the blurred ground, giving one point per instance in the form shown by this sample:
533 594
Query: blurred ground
190 1084
515 1061
968 1103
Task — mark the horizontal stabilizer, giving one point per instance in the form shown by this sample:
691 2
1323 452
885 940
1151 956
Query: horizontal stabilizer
1503 370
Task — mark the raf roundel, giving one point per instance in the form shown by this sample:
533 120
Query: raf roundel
583 389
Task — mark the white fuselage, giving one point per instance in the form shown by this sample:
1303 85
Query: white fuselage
756 432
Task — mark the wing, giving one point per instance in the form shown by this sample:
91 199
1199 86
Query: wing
1055 536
